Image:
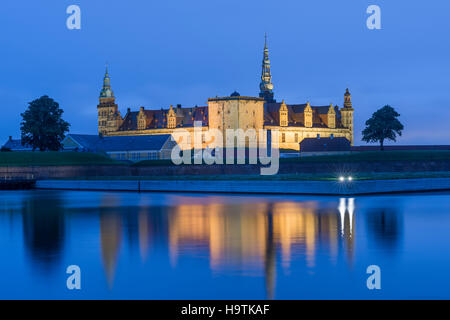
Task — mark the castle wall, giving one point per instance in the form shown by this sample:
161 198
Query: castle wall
294 135
177 133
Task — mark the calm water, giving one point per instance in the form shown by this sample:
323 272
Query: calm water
190 246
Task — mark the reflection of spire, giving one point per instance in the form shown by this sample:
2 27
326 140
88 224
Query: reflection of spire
144 234
110 238
270 263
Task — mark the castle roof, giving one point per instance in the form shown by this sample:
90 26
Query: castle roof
296 116
185 117
157 119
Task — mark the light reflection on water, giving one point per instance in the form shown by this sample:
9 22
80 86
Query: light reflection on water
189 246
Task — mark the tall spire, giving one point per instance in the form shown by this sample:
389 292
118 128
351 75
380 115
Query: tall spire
106 89
347 99
266 85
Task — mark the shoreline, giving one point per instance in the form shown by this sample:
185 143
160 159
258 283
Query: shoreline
358 187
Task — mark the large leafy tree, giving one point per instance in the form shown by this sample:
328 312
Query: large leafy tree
42 126
383 125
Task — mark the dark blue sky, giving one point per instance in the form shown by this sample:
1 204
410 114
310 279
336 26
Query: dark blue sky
170 52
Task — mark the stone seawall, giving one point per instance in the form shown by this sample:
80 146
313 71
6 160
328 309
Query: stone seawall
51 172
252 187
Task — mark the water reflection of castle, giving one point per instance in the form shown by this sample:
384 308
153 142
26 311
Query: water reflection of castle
261 236
251 235
237 237
241 236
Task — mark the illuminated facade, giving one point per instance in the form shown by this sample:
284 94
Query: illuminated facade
293 121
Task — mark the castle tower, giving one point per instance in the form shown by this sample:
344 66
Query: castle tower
266 85
109 118
235 112
347 114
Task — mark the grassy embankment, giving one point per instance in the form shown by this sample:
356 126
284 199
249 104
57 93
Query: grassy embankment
376 156
24 159
371 156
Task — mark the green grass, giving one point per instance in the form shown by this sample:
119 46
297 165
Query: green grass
25 159
284 177
369 156
84 158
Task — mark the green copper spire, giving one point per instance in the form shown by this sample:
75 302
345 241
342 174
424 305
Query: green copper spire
106 90
266 85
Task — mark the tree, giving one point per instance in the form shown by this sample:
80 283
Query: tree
42 126
383 125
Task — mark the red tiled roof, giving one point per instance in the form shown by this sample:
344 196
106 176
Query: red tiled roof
157 119
296 116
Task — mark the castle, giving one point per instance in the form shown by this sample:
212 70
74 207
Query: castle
294 122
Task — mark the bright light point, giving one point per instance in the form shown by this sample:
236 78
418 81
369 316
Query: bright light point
350 178
341 178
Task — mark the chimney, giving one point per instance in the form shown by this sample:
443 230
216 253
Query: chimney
10 138
178 105
128 110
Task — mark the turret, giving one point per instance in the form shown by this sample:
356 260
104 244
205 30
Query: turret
171 118
106 94
308 113
331 117
347 114
347 99
283 115
142 119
